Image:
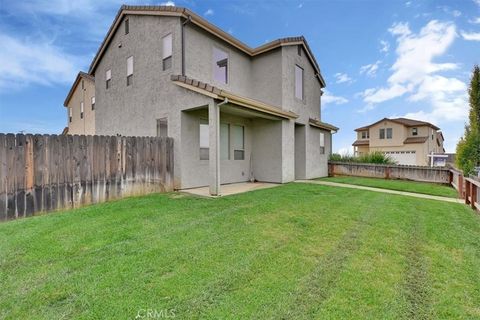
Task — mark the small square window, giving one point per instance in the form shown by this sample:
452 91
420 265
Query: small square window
93 103
162 127
299 50
129 70
365 135
382 133
389 133
81 110
414 131
70 114
322 143
127 26
238 142
108 78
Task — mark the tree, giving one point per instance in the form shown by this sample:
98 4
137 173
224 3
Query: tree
468 148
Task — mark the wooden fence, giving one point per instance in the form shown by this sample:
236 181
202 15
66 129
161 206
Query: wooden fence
414 173
42 173
468 188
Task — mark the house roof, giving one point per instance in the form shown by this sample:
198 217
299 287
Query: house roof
216 93
80 75
406 122
415 140
207 26
322 125
361 143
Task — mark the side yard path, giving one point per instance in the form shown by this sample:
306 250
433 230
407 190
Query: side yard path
403 193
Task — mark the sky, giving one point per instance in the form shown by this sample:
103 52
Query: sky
379 58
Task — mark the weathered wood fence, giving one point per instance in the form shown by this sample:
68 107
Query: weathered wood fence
387 171
42 173
468 188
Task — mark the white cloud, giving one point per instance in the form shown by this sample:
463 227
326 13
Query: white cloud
408 3
448 10
475 20
329 98
471 36
168 4
35 62
477 2
342 78
414 73
209 12
370 69
385 46
300 6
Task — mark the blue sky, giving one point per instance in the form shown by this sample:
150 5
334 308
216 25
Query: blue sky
379 58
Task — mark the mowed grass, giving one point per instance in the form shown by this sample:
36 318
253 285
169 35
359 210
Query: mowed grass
434 189
298 251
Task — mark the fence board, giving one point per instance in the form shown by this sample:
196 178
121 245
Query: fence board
29 175
20 176
3 177
11 187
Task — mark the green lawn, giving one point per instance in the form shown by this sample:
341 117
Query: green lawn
298 251
434 189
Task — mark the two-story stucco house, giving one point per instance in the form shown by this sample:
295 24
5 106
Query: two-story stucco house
407 141
235 113
80 104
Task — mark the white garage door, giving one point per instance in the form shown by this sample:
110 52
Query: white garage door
403 157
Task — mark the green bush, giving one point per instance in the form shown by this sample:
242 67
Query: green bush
372 157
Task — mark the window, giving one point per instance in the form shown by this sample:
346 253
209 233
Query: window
224 141
167 52
322 143
93 103
129 70
414 131
389 133
220 66
382 134
365 135
70 114
162 127
299 50
81 110
83 86
238 142
204 141
127 26
298 82
108 78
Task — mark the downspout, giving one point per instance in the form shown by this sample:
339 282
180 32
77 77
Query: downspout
183 42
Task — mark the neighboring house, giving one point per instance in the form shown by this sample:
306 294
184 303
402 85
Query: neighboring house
80 104
235 113
407 141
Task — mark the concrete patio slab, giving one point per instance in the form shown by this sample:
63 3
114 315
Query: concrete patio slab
231 189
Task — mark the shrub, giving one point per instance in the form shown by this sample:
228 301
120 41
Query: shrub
373 157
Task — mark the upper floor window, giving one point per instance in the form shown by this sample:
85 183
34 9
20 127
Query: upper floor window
162 127
365 135
220 66
70 114
127 26
108 78
129 70
299 50
238 142
389 133
382 133
322 143
81 110
167 52
93 103
83 86
414 131
298 82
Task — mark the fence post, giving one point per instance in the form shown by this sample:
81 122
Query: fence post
473 197
460 186
467 191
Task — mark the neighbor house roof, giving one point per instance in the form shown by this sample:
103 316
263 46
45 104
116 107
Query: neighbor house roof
406 122
415 140
216 93
322 125
361 143
80 75
207 26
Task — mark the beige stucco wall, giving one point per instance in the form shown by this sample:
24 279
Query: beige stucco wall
87 124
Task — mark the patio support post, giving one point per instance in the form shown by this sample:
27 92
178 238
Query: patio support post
214 147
